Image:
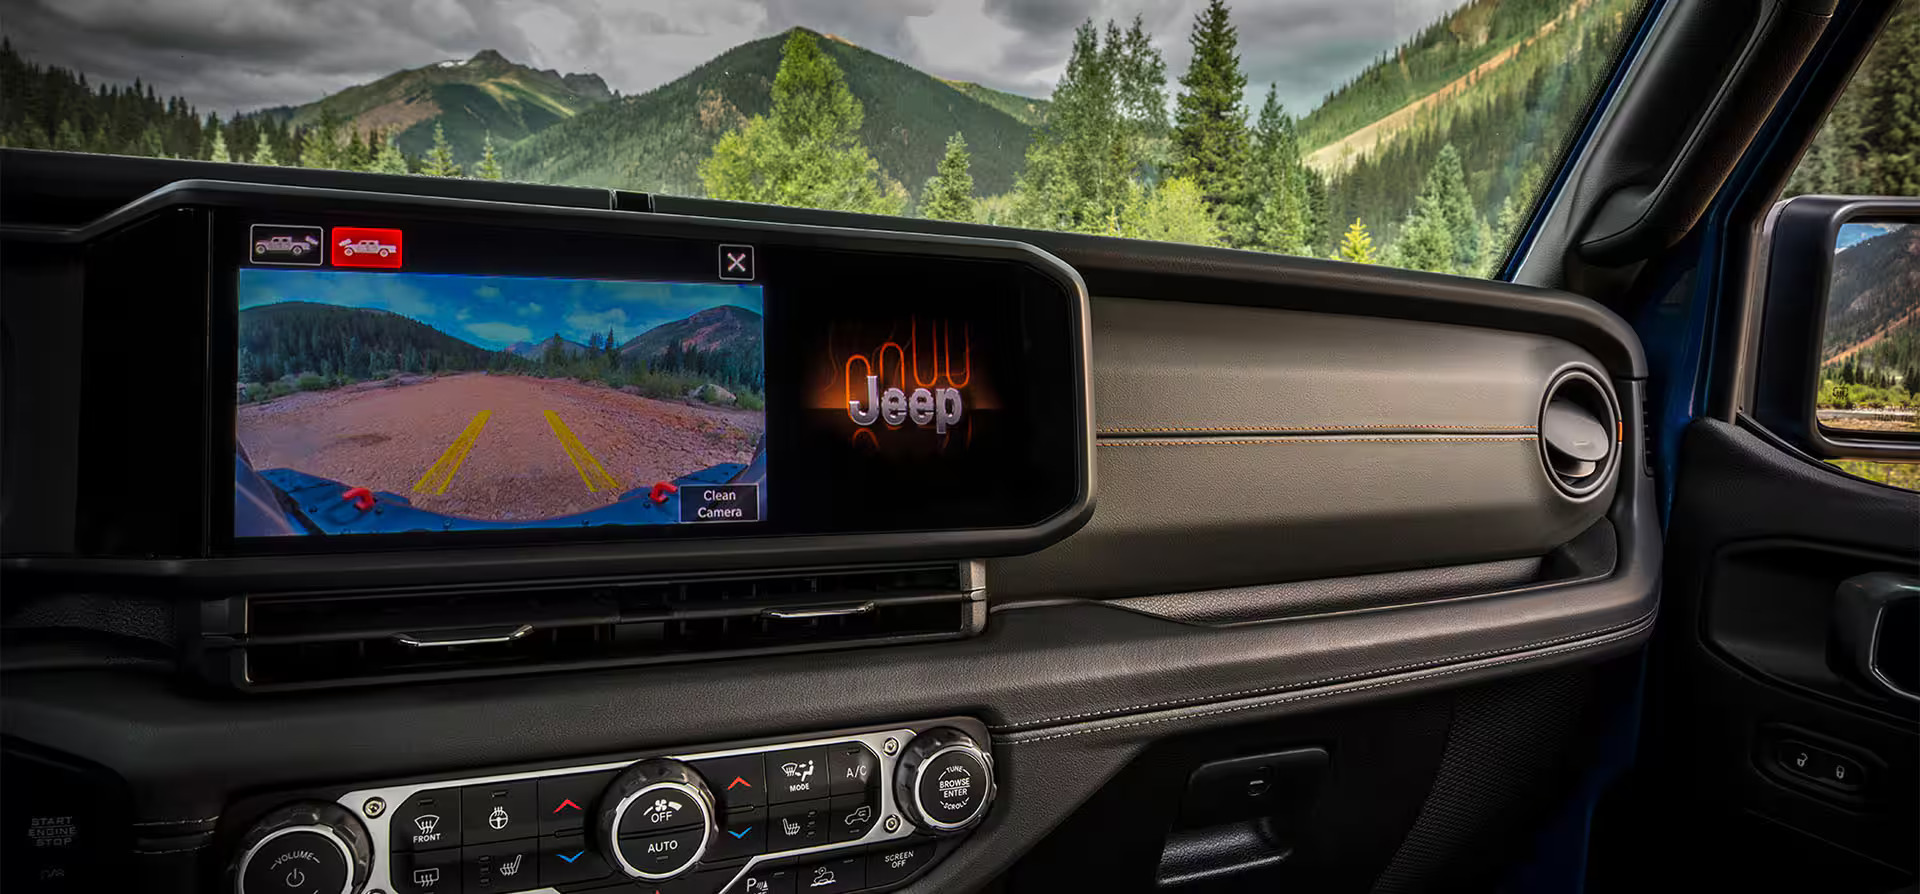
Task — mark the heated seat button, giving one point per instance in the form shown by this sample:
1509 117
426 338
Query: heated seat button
739 782
427 872
799 774
793 826
566 860
567 801
891 863
851 768
742 834
662 854
498 812
851 817
428 820
489 868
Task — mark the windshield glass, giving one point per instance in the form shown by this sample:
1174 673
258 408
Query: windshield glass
1416 133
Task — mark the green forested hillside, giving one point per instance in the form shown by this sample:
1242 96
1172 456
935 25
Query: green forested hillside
1508 127
345 344
1441 53
53 108
1025 109
484 95
654 142
1870 143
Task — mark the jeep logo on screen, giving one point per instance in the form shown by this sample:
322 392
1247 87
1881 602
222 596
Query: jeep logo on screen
940 407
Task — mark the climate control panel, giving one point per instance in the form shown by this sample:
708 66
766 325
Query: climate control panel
861 811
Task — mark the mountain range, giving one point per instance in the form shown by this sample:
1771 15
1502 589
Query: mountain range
655 141
725 327
1874 293
470 99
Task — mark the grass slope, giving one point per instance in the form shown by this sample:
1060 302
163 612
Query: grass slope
1024 109
1439 54
485 94
655 142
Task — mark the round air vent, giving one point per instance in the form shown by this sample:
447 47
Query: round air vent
1579 433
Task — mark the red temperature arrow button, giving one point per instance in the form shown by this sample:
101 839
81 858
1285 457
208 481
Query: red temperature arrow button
566 804
737 780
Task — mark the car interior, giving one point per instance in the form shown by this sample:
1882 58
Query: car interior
1186 568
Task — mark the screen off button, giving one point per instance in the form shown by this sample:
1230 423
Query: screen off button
719 502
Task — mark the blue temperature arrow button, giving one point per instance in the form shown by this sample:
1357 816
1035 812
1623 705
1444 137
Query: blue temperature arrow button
572 858
740 834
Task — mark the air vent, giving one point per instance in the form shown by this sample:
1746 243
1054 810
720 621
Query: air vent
1580 433
306 640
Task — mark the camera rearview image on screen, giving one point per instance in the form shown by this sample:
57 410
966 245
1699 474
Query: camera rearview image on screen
403 402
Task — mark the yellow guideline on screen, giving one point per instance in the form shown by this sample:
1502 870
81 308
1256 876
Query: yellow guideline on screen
595 475
441 473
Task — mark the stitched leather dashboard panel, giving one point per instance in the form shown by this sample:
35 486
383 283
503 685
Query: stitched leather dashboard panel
1275 445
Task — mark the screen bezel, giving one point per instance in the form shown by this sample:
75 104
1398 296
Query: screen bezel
232 203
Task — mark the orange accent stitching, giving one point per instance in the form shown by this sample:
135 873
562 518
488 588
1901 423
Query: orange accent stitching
1261 428
1516 439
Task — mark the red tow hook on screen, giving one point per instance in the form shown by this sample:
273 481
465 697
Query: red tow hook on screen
660 491
360 497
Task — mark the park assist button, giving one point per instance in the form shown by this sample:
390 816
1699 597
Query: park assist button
719 502
297 862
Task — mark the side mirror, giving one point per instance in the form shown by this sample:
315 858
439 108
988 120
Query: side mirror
1838 370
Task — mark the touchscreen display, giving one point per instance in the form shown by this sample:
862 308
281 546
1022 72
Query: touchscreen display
391 402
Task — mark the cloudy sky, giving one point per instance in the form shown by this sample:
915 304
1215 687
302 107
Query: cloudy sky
225 55
496 311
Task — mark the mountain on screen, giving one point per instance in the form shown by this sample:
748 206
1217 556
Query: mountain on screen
727 329
535 350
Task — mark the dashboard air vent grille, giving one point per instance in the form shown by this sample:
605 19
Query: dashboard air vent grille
304 640
1580 434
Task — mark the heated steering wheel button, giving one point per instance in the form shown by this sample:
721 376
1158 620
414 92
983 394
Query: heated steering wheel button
499 812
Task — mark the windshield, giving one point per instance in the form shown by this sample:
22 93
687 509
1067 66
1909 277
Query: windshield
1415 133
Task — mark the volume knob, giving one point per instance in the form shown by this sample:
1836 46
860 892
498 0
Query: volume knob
944 781
657 820
306 848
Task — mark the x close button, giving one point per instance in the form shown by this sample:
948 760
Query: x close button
736 262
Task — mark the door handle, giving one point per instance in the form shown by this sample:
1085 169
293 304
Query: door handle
1876 619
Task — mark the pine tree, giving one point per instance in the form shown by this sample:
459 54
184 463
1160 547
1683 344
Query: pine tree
949 192
1080 166
263 150
439 161
1442 234
1357 245
489 167
1277 184
217 149
807 152
1210 125
389 160
322 146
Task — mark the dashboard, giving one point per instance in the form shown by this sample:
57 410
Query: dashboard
406 535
